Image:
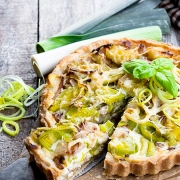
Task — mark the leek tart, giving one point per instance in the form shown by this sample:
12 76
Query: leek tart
123 91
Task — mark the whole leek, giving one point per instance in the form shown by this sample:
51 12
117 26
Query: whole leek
151 32
116 18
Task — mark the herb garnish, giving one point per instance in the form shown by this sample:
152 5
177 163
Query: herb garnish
160 68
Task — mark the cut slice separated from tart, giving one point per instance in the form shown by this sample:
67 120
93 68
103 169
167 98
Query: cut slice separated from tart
87 94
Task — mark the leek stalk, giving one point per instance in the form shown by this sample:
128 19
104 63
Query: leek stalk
150 32
121 22
116 18
44 63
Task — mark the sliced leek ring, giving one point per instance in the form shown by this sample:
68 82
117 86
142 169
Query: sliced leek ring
145 96
9 131
175 111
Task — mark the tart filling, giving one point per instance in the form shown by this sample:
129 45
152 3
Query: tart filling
150 125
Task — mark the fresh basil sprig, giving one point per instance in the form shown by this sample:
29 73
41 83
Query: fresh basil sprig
131 65
144 72
160 68
162 63
166 79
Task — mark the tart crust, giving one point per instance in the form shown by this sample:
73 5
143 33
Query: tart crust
149 165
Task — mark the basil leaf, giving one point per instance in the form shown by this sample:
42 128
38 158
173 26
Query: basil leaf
167 80
162 63
144 71
131 65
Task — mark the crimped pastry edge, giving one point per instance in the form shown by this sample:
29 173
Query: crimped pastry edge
45 166
149 165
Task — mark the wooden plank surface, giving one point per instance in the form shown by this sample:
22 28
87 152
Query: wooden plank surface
22 24
18 34
62 14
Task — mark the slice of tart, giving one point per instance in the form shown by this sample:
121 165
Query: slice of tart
147 139
84 98
80 105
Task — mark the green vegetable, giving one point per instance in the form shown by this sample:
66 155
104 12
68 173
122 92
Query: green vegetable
150 32
134 19
151 132
77 115
144 72
130 18
9 131
162 63
14 95
107 127
147 148
64 99
167 81
122 147
110 95
13 117
145 95
121 123
61 132
164 96
141 6
144 146
160 68
139 68
172 112
95 150
151 149
130 66
170 138
48 138
132 124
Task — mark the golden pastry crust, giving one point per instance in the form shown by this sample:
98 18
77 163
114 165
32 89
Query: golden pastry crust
150 165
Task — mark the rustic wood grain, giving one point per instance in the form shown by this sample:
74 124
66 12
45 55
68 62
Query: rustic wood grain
18 35
62 14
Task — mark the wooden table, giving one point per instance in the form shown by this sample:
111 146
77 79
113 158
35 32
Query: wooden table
22 24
